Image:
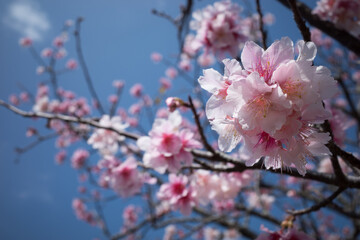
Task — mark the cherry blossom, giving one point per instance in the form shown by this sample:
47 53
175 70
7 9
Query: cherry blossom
271 104
125 179
219 28
168 146
177 192
26 42
79 158
106 141
343 13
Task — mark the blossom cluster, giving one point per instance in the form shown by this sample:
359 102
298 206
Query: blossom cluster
106 140
271 105
168 145
220 29
345 14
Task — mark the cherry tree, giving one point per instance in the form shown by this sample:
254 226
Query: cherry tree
265 146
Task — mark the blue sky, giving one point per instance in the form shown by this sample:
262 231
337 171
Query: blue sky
118 37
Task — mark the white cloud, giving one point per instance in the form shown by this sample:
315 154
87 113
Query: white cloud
27 18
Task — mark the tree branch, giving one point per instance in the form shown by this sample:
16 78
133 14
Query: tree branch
342 36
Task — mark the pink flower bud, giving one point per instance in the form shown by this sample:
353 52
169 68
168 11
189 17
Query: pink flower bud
118 84
47 52
156 57
31 132
136 90
113 99
25 42
13 99
171 72
173 103
71 64
58 42
60 157
165 83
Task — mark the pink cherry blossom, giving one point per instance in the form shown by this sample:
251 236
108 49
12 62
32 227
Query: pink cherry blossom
106 141
79 158
24 96
136 90
40 70
47 52
25 42
31 132
125 179
271 104
61 53
13 99
135 108
113 99
130 216
218 28
118 84
178 194
60 157
173 103
168 146
71 64
171 72
165 83
58 42
343 13
156 57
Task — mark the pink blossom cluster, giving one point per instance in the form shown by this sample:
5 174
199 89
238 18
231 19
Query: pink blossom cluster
218 187
82 213
79 158
345 14
125 179
260 200
178 194
220 29
66 104
271 105
130 215
105 140
168 145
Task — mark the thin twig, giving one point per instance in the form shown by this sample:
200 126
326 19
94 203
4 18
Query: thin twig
200 129
261 23
319 205
84 66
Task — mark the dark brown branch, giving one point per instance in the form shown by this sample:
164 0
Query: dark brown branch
39 140
319 205
261 24
305 32
309 196
261 215
342 36
200 129
84 66
348 157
